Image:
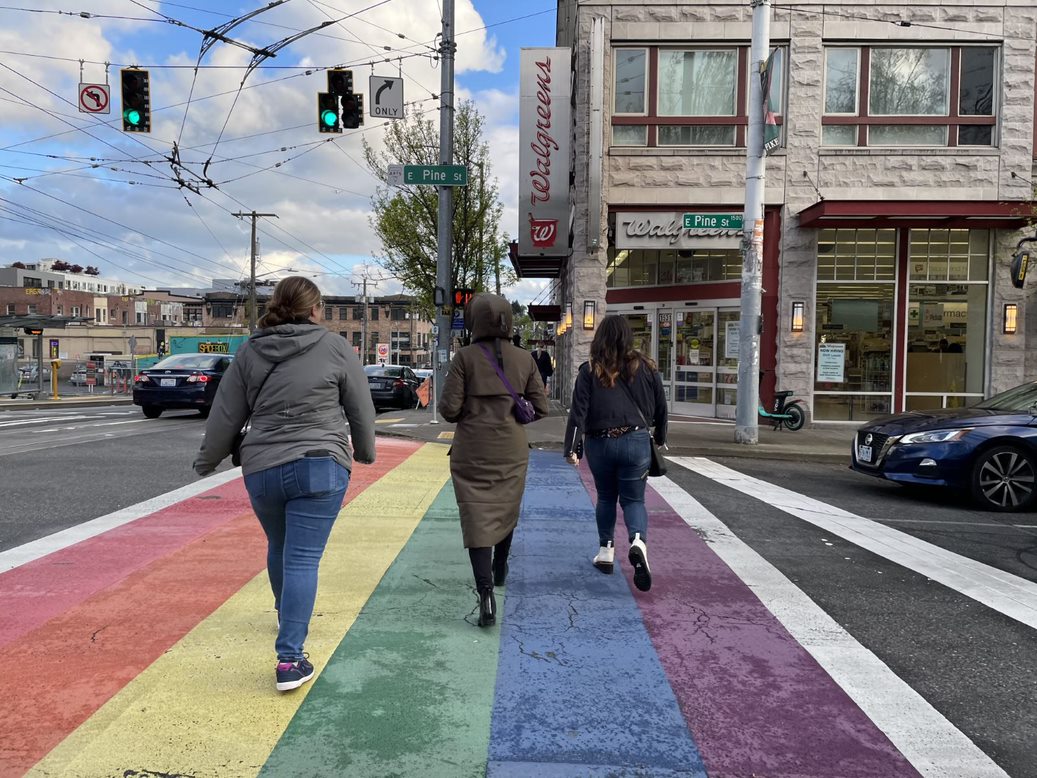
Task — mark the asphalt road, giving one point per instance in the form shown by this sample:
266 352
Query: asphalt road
973 663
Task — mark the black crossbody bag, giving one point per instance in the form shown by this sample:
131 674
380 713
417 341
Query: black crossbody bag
657 467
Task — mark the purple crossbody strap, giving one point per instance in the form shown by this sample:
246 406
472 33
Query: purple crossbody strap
500 373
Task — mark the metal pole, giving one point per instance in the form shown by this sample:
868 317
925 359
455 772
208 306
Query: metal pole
363 325
444 276
252 272
747 428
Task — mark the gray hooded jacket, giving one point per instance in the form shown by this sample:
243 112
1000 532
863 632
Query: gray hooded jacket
318 385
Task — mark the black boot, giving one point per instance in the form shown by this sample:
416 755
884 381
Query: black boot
500 570
487 608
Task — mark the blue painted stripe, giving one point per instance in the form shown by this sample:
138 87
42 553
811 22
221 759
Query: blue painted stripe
580 689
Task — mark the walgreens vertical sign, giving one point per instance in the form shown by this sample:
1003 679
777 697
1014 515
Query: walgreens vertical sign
544 132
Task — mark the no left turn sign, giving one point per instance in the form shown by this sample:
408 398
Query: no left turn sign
95 98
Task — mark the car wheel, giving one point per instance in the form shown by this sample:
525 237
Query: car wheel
796 417
204 412
152 411
1004 478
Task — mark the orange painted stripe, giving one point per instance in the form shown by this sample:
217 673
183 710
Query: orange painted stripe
83 657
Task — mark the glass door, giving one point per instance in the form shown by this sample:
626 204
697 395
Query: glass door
694 369
728 320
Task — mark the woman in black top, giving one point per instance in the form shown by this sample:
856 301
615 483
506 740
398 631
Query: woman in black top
616 393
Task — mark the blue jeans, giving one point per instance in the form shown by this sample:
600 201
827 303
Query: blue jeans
297 504
620 470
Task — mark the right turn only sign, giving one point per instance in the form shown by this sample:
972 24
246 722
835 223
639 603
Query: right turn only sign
386 97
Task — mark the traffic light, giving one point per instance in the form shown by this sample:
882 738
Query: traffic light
136 100
462 297
340 82
327 112
352 111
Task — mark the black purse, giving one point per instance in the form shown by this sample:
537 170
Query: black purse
657 466
239 437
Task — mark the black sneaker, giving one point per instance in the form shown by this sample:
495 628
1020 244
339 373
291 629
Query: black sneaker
639 559
292 675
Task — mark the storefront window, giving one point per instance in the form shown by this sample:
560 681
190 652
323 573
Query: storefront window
946 318
854 324
649 267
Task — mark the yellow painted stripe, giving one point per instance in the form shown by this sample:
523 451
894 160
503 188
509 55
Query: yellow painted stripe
387 421
208 707
446 436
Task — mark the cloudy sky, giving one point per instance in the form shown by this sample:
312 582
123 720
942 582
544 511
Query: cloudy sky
74 186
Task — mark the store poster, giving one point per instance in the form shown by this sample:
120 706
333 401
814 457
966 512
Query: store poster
831 363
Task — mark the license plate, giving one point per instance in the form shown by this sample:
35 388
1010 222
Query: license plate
864 453
167 382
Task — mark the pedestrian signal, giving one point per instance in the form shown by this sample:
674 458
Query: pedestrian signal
462 297
136 100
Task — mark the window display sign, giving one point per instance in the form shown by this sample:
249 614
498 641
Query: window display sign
731 343
831 363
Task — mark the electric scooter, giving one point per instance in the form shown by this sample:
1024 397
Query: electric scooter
786 412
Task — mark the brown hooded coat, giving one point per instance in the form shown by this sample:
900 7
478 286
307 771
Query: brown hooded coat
490 453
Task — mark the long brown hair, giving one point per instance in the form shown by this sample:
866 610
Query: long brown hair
613 353
293 299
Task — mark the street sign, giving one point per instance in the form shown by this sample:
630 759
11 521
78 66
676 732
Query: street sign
95 98
436 175
712 221
386 97
457 323
382 350
395 175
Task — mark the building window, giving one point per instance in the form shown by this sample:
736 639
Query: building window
343 313
358 313
10 309
398 314
223 310
690 97
373 312
910 96
358 338
651 267
329 313
30 282
77 311
31 309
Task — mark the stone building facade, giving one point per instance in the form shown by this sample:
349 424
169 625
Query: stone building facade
899 181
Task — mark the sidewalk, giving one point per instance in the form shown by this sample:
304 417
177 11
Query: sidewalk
688 436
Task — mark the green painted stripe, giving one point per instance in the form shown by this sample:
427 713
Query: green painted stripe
409 690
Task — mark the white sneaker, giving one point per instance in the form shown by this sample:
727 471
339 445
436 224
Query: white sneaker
606 558
639 559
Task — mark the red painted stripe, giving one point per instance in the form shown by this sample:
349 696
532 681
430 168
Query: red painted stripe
86 655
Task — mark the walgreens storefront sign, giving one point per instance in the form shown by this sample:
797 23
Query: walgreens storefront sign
544 116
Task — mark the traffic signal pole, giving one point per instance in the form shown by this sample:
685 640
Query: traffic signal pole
747 429
443 296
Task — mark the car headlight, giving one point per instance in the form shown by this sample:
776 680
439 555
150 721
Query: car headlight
936 436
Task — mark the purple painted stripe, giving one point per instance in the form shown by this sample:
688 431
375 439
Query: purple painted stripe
755 701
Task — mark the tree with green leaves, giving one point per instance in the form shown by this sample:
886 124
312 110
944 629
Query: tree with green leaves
406 217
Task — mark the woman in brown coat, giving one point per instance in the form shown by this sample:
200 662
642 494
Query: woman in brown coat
490 453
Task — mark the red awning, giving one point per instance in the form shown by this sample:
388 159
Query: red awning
534 266
929 214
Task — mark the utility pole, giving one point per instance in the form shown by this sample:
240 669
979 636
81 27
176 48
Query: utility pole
252 272
444 293
747 429
362 285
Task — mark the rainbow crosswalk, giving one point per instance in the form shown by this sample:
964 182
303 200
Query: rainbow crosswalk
151 648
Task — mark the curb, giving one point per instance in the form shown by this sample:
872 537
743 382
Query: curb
77 402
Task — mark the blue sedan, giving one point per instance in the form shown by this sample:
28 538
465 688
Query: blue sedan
988 450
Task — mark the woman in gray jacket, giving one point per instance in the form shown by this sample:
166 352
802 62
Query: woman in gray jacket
301 384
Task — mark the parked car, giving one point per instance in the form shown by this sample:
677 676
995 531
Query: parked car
988 450
180 381
29 373
423 372
392 386
78 377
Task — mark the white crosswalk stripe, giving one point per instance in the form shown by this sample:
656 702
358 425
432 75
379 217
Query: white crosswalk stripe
999 590
933 745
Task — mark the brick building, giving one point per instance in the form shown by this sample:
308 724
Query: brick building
898 183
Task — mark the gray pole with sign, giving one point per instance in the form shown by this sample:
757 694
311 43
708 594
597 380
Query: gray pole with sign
747 429
443 294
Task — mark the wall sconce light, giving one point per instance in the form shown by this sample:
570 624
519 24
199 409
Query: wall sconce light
797 316
568 315
1011 319
589 309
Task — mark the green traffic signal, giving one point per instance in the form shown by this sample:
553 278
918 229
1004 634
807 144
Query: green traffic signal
132 116
328 113
136 100
329 118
